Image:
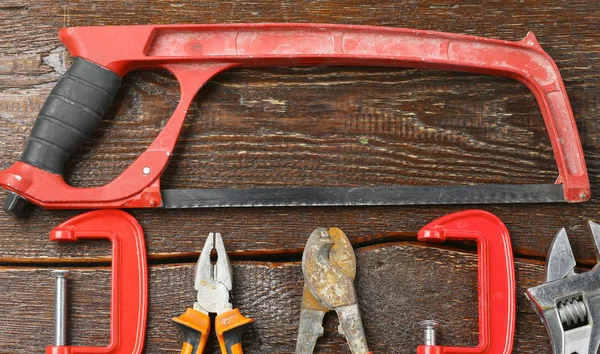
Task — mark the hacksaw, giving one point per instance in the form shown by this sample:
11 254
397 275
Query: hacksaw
196 53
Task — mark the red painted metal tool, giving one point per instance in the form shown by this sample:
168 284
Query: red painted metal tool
195 53
496 278
129 303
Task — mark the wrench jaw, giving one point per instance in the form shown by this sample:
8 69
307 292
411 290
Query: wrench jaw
560 261
595 230
568 304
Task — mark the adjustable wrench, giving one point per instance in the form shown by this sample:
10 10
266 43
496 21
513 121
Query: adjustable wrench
569 303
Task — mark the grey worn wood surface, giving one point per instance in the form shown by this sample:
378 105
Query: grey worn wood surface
302 127
398 284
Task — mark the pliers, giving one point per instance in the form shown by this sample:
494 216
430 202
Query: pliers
213 283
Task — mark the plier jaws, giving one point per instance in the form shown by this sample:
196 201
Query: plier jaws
213 283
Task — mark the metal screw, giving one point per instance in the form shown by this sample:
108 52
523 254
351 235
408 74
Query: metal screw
429 326
60 307
146 170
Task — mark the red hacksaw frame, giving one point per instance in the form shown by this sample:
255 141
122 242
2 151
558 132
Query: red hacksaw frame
195 53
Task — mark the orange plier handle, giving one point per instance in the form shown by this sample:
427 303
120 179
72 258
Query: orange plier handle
230 327
195 327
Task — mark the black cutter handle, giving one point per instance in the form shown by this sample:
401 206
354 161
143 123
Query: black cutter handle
233 339
230 327
192 340
70 114
195 326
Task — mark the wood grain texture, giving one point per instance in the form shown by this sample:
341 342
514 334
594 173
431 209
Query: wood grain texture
301 127
398 284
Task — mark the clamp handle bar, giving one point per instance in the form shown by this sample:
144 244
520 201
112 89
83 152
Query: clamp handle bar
129 302
496 276
195 53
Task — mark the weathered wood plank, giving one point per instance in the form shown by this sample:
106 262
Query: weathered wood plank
256 232
398 285
308 126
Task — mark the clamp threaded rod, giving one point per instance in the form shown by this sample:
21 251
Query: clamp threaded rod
430 327
60 307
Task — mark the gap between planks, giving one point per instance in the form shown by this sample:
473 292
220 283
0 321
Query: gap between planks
271 257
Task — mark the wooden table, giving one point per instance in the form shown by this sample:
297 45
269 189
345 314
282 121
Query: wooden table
302 127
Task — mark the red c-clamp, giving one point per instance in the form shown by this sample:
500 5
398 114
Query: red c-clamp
129 303
496 278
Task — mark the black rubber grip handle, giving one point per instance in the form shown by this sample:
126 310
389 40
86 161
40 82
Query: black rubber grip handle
234 337
70 114
192 337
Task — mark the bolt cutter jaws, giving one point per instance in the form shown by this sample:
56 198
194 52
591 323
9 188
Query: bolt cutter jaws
327 282
568 303
213 282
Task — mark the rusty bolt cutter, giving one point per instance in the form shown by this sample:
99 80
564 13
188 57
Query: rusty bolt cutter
569 303
213 283
329 268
